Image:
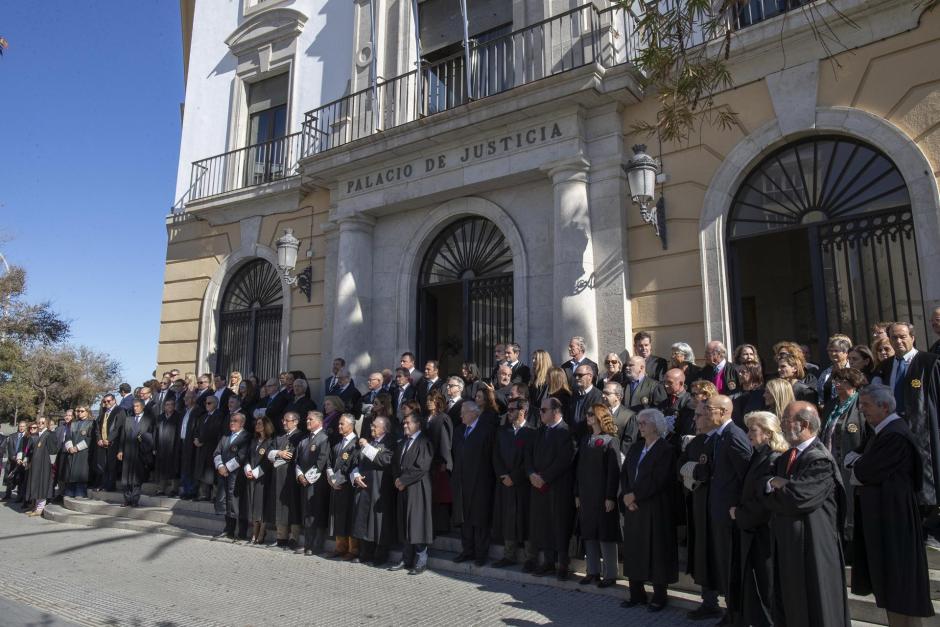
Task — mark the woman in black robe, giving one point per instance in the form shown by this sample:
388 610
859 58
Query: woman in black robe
647 486
485 398
39 458
167 446
750 396
752 568
440 430
259 474
559 388
470 373
598 478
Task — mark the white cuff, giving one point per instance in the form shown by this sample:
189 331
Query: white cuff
768 488
231 464
272 454
217 461
370 451
82 445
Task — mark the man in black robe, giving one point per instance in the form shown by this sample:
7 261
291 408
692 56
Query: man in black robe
206 435
641 391
643 347
914 376
677 406
166 468
108 429
412 471
624 418
718 370
136 452
511 502
551 475
472 483
76 454
806 498
889 544
586 396
13 472
287 512
313 458
39 463
343 458
374 522
229 456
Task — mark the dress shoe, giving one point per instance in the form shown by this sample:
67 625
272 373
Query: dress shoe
562 574
544 570
462 557
587 580
632 603
348 557
480 562
605 583
503 563
656 607
417 570
703 612
292 545
223 536
529 566
399 566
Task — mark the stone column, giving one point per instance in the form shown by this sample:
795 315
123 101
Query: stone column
574 306
352 309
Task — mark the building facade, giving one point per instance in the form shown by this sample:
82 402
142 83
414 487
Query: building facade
447 198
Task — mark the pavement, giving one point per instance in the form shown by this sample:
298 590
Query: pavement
59 574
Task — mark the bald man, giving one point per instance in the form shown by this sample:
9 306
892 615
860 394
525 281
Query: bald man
641 391
723 465
677 407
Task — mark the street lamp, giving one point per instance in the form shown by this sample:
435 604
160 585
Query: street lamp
287 247
643 172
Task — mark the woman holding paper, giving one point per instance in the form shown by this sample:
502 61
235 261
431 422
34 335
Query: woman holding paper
258 472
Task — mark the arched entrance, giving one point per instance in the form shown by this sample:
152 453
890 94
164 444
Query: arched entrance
250 322
821 240
465 295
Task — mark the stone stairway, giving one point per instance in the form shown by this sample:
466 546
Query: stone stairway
174 517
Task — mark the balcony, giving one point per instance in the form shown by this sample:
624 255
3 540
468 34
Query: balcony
570 40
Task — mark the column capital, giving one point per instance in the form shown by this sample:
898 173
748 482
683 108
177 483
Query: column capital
355 222
575 169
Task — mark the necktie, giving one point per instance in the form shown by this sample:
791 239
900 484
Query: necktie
899 386
407 446
791 460
466 434
633 386
577 411
430 383
673 400
719 381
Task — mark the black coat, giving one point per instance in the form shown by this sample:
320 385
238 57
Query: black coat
423 389
700 561
551 513
186 448
137 448
343 458
352 399
412 467
375 504
889 544
111 433
729 377
234 448
259 494
725 470
440 431
680 408
208 430
167 447
77 466
473 477
286 489
746 402
598 479
656 367
511 503
313 453
277 406
521 373
628 431
40 453
581 403
752 572
806 526
650 550
648 393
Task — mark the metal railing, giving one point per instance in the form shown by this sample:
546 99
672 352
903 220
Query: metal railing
246 167
558 44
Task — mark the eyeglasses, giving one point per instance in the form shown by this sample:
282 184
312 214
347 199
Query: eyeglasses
582 374
611 361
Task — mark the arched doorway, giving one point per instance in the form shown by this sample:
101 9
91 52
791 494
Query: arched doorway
821 240
250 322
465 295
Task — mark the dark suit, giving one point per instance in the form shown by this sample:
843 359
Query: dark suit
728 457
400 397
423 389
277 406
136 445
570 366
581 403
351 398
628 431
680 408
106 461
648 393
454 411
521 373
232 451
472 483
656 367
729 378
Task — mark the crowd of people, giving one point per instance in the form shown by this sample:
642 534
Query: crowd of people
772 476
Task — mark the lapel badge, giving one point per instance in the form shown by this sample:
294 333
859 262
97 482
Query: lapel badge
234 448
645 400
261 451
84 432
852 428
915 383
703 459
345 456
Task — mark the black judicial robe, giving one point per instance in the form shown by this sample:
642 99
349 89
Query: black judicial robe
413 506
344 457
167 447
649 393
375 504
78 465
511 504
697 519
186 449
39 483
260 496
650 549
597 479
314 452
108 454
680 408
208 430
234 447
551 513
137 446
473 478
752 568
921 407
806 523
889 542
286 489
628 431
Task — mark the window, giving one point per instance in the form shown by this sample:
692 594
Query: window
267 125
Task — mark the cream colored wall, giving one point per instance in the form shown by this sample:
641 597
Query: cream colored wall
897 79
195 252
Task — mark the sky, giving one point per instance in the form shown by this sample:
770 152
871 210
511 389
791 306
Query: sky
90 94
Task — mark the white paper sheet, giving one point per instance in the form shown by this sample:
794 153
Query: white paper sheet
231 464
82 445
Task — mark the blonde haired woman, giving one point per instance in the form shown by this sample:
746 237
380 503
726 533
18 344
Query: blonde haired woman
538 388
778 393
234 380
558 388
754 562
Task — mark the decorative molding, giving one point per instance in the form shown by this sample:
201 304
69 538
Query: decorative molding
901 149
265 28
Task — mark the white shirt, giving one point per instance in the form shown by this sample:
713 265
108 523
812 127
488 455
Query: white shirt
884 423
473 425
351 436
802 446
907 357
184 422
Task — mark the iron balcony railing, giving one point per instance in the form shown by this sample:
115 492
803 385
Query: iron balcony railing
561 43
573 39
246 167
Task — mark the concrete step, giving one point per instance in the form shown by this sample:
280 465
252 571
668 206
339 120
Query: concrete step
172 516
